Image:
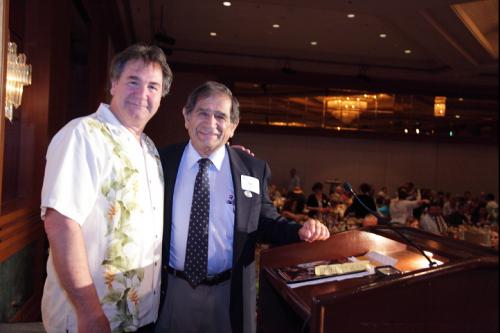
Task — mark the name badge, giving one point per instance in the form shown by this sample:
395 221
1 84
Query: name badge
250 184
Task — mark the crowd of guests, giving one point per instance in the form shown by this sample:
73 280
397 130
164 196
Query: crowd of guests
433 211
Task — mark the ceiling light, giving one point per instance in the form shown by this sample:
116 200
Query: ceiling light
213 34
351 15
226 3
406 131
407 51
276 26
382 35
417 131
457 116
461 99
451 133
314 43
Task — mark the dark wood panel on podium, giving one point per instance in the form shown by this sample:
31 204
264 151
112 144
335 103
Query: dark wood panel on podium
458 295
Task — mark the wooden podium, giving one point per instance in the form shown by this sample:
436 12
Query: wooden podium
459 295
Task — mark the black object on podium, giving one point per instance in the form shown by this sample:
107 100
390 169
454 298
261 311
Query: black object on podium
460 294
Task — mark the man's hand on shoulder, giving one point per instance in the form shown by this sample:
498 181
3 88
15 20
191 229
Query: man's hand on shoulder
313 230
246 150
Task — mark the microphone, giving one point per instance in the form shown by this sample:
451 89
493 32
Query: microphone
381 219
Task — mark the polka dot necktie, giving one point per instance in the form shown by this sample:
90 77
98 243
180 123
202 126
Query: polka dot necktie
195 264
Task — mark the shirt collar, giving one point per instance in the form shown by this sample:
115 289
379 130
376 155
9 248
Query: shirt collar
105 114
217 157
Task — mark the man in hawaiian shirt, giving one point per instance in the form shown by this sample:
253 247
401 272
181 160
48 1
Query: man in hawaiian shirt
102 206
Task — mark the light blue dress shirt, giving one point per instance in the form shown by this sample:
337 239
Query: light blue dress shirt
221 217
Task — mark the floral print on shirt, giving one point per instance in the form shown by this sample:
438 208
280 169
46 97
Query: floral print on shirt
122 280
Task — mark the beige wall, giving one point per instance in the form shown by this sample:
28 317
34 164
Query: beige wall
441 166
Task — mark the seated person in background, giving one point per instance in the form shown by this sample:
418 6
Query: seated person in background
276 197
450 204
458 217
424 194
294 206
369 220
492 208
366 197
382 206
432 219
339 195
479 216
401 208
383 193
412 222
294 180
494 239
317 202
413 192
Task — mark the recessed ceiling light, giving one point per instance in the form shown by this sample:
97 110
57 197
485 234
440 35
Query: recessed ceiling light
314 43
382 35
417 131
213 34
461 99
407 51
351 15
276 26
457 116
406 131
226 3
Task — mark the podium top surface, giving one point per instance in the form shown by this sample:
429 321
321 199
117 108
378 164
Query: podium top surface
455 257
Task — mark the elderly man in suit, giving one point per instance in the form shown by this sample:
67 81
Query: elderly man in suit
216 209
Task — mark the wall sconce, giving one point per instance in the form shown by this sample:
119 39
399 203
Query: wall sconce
439 106
18 75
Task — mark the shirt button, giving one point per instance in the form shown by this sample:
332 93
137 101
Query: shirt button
156 264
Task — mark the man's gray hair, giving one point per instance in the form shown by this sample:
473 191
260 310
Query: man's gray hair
211 88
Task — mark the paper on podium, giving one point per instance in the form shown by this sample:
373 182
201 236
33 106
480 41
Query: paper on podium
333 278
379 259
375 259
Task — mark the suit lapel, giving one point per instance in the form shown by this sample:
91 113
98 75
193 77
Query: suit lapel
170 161
242 208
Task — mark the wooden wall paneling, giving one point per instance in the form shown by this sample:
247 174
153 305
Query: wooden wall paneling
106 31
4 30
45 38
97 68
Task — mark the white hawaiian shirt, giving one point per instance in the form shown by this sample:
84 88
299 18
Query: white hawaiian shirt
99 175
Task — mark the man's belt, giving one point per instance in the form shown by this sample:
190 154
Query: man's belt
210 280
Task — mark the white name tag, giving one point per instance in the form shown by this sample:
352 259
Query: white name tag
250 184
